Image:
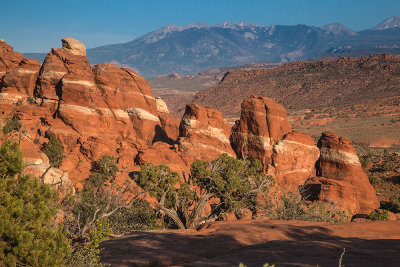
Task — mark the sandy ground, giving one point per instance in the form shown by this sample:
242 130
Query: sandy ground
292 243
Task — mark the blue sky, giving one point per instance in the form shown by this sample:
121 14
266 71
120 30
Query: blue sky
38 25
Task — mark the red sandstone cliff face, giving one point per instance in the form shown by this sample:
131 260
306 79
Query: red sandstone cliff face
111 110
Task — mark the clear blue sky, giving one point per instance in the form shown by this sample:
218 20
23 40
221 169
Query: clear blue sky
38 25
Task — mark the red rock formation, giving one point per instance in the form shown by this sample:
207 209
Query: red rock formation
19 82
262 124
203 134
9 59
293 160
343 180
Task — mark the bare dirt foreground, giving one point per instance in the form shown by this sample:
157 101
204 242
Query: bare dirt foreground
291 243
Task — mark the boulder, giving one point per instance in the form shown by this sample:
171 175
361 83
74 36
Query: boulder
74 46
342 179
262 124
203 134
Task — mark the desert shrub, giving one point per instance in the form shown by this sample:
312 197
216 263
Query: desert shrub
140 216
236 183
389 166
286 206
12 124
374 180
54 151
383 215
89 255
290 206
10 159
36 141
366 161
102 198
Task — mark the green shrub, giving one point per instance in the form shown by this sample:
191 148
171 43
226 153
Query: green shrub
103 198
290 206
140 216
374 180
89 255
12 124
286 206
28 234
389 166
54 151
366 161
379 216
10 159
236 183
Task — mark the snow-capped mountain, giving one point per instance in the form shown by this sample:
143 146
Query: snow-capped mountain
195 47
389 23
337 29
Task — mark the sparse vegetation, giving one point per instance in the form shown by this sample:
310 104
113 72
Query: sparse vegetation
290 206
103 198
382 215
234 184
54 151
12 124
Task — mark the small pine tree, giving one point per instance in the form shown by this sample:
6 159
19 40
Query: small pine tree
10 159
54 151
28 234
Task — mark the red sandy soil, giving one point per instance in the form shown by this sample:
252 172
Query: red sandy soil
283 243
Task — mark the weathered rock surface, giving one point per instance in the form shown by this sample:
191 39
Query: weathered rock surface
262 124
9 59
74 46
342 179
19 83
203 134
293 160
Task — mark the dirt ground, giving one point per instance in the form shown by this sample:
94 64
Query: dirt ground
291 243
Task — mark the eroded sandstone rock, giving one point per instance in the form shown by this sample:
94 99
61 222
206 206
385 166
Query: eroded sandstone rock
263 123
203 134
293 160
342 180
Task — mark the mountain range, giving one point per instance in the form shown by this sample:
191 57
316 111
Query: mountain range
196 47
